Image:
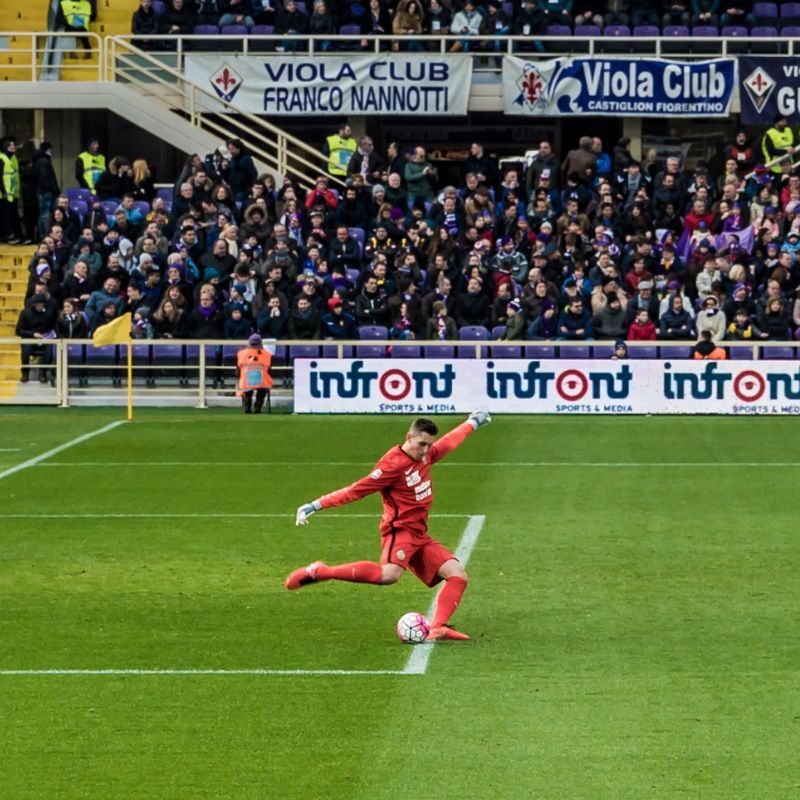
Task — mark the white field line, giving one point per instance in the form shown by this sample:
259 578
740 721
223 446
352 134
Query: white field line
181 672
32 462
10 449
192 515
417 663
481 464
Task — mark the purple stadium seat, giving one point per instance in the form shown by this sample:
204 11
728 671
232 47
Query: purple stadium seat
169 354
301 7
498 331
602 351
675 351
332 351
142 205
109 206
165 192
373 332
768 33
733 31
473 333
578 351
205 30
262 30
777 353
411 351
353 276
791 32
159 7
616 30
741 353
508 7
80 207
142 355
440 351
765 13
349 30
705 30
78 194
371 351
76 354
764 32
303 351
102 355
675 30
587 30
646 30
359 235
558 30
645 351
234 30
506 350
540 351
790 14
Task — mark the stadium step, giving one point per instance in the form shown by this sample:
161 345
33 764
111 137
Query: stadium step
30 16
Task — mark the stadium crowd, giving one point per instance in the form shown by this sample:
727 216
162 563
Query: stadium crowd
582 245
411 19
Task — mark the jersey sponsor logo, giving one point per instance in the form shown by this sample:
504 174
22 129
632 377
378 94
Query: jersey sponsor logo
401 555
375 474
413 479
423 491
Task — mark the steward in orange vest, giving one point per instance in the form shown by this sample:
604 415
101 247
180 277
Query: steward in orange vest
252 368
706 350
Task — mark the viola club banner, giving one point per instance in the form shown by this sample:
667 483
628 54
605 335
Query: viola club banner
770 86
644 87
525 386
396 84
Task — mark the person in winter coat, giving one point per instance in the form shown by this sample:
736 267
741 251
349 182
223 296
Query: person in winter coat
642 329
515 322
239 171
37 321
371 306
45 185
611 322
706 349
711 318
575 322
145 22
237 325
473 307
338 323
440 327
774 320
675 322
169 321
304 320
545 325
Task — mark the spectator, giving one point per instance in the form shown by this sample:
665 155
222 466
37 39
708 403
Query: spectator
407 22
581 161
339 147
420 176
473 306
169 321
366 161
466 22
10 192
304 320
145 22
338 323
515 322
371 306
611 321
45 184
675 322
321 23
575 322
774 321
706 349
743 329
440 326
642 329
239 170
711 318
236 12
37 320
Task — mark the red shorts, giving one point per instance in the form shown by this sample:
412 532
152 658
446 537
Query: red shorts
422 555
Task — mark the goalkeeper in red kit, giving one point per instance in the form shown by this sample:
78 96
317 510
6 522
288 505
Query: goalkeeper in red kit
403 477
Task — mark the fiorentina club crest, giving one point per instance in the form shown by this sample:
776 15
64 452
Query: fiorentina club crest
532 87
759 87
226 83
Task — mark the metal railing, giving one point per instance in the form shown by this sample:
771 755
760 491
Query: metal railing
168 87
41 55
192 371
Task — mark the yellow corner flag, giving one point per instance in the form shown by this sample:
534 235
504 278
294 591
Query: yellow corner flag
116 332
119 332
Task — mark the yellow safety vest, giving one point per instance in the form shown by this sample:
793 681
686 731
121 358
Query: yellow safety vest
77 13
781 140
93 168
340 152
10 176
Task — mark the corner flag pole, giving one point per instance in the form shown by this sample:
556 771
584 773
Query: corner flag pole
130 379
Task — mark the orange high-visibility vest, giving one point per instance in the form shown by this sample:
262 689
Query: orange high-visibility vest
253 365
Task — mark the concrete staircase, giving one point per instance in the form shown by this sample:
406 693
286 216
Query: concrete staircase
13 283
16 57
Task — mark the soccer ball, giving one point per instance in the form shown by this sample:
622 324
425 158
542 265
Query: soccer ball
412 628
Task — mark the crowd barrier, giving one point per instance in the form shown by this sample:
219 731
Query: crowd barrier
193 372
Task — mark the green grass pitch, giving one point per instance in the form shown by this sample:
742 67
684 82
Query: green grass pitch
635 621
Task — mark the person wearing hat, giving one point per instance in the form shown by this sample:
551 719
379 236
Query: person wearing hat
253 377
620 350
611 321
516 324
778 143
706 348
338 323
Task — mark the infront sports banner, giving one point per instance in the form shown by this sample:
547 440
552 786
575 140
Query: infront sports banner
769 86
530 386
375 83
624 87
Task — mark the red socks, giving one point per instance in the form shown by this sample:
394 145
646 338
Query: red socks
357 572
448 601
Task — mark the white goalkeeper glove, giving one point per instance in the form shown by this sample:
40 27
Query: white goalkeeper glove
479 418
305 511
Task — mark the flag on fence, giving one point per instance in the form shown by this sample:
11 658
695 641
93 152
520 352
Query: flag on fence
116 332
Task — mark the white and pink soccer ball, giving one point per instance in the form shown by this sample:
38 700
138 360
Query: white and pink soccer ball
412 628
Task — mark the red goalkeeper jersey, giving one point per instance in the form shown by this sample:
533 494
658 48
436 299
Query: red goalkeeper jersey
405 485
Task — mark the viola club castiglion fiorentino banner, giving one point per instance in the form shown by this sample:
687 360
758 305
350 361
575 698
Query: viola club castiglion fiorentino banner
433 386
376 83
627 87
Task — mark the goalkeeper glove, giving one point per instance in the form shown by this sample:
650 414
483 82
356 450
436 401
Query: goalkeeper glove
305 511
479 418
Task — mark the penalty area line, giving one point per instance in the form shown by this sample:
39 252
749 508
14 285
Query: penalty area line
195 672
32 462
417 663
